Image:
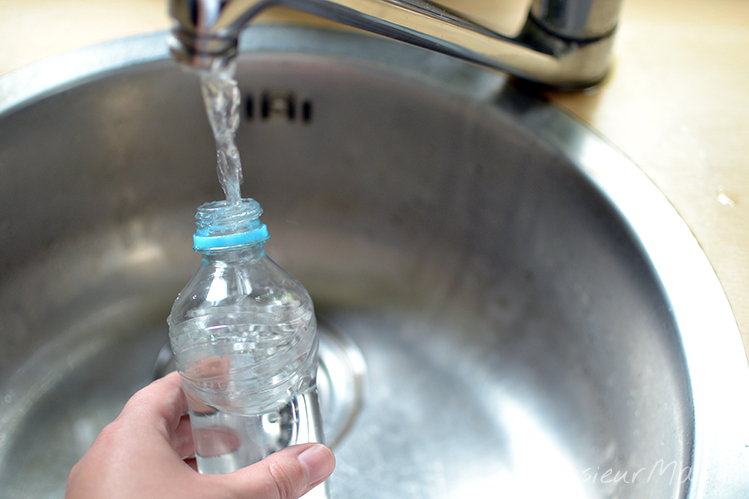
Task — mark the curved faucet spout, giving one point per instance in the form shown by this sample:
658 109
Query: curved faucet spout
564 43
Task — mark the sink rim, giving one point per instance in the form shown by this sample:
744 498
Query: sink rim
715 362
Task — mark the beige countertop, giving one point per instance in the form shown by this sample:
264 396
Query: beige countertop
676 101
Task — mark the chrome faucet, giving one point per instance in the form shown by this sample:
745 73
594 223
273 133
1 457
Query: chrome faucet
564 43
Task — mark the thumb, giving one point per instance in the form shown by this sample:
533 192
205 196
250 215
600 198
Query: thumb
286 474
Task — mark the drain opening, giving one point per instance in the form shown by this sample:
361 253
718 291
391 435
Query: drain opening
278 105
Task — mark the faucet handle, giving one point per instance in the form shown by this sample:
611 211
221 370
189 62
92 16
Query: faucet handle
577 20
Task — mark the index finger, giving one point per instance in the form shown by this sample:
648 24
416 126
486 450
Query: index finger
160 404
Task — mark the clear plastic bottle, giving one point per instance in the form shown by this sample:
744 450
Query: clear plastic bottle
244 336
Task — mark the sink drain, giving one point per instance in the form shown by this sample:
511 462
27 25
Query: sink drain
340 379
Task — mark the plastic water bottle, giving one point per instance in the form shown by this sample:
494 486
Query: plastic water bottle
244 336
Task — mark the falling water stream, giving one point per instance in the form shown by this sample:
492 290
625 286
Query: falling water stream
221 97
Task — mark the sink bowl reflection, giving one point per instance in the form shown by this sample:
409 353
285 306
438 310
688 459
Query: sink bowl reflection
511 308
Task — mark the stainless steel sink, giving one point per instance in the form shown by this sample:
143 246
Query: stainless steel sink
509 307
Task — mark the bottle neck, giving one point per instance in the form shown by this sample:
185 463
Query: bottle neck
224 226
239 253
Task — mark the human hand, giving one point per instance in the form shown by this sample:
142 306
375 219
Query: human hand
144 454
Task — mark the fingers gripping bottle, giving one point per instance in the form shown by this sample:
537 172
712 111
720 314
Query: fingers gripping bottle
244 336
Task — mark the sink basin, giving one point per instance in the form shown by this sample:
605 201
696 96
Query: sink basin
509 308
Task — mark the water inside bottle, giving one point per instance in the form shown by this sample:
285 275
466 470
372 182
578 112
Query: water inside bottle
227 441
251 387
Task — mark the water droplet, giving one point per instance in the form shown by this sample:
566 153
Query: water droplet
724 199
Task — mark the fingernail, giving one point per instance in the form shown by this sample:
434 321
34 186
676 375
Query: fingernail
319 461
